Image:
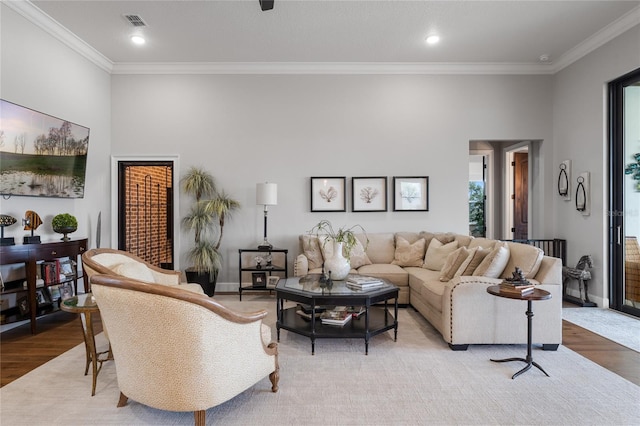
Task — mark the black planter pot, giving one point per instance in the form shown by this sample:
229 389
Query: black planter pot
206 281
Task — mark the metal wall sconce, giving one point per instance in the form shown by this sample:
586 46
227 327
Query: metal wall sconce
582 194
564 180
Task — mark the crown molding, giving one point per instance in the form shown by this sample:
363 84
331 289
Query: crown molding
606 34
327 68
55 29
45 22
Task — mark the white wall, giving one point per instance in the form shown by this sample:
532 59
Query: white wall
286 128
580 130
40 73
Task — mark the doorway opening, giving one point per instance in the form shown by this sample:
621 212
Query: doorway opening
500 188
145 211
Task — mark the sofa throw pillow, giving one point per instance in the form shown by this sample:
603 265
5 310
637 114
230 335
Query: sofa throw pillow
358 256
474 257
408 254
494 263
311 249
437 254
453 262
524 256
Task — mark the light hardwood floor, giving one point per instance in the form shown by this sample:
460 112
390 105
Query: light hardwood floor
21 352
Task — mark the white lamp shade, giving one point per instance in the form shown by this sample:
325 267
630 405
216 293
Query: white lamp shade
267 194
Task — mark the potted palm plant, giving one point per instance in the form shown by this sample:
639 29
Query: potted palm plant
206 219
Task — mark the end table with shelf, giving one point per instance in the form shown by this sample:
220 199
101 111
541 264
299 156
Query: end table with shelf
278 266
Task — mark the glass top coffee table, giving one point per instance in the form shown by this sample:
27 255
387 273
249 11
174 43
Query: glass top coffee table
315 294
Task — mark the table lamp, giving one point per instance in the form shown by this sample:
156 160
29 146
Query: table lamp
266 195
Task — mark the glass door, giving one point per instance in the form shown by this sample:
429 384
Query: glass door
624 129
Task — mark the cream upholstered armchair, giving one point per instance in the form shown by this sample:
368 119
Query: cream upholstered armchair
180 351
118 262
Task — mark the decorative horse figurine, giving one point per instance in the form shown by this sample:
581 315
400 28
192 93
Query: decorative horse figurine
580 273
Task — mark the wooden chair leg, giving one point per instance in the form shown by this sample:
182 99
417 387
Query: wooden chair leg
123 400
200 417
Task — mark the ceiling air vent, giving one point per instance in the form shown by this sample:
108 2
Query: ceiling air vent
135 20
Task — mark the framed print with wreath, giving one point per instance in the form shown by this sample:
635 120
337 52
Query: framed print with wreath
328 194
410 193
369 194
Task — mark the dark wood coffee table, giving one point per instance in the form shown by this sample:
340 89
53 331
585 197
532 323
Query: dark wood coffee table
310 291
536 294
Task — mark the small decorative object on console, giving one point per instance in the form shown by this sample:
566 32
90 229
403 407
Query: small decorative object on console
6 220
64 224
31 222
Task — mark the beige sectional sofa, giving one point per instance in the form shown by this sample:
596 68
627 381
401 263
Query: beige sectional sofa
444 276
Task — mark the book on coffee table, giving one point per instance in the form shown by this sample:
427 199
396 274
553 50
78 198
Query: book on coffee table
340 315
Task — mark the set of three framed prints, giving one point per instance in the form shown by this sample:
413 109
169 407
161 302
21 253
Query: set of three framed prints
369 194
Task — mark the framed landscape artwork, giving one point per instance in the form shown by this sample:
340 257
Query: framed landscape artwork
369 194
328 194
411 193
41 155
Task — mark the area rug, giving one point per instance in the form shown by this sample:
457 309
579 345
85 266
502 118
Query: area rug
416 380
618 327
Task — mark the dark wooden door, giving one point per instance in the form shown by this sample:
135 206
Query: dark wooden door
520 195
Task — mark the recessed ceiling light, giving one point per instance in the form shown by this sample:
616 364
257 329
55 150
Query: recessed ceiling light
544 58
137 39
432 39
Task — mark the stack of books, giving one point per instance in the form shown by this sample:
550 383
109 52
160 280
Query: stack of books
515 288
358 282
339 316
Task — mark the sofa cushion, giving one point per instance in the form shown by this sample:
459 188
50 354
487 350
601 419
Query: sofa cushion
427 283
409 254
485 243
381 248
453 262
135 270
311 249
494 263
395 274
475 256
437 254
524 256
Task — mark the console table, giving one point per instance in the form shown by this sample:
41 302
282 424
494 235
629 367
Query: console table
30 254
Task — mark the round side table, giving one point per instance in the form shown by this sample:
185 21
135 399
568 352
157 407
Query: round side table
85 305
536 294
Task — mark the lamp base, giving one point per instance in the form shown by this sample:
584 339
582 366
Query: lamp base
265 245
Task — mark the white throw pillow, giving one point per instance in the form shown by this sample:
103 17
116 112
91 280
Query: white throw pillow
452 264
408 254
437 254
494 263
